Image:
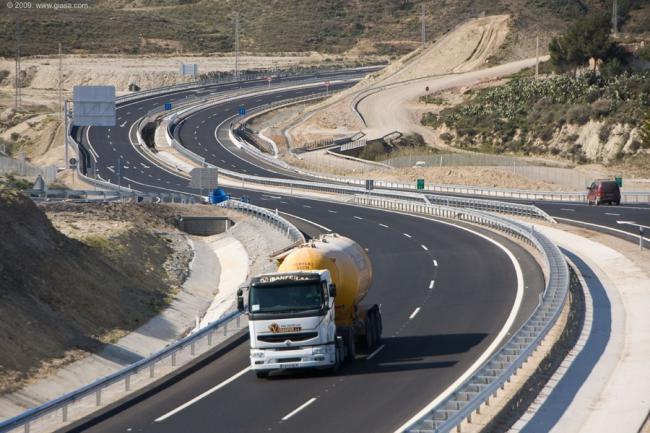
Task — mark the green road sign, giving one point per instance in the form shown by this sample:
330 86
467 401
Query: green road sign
420 184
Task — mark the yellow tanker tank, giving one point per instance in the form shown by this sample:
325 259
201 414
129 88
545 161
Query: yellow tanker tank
348 264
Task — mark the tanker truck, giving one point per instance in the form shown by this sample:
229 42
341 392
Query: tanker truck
309 314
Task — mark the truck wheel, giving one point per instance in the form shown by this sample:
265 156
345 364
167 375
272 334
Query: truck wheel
261 374
377 329
370 331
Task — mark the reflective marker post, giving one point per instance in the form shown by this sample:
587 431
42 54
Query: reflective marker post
641 238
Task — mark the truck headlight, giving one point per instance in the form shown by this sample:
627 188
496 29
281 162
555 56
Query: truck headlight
319 350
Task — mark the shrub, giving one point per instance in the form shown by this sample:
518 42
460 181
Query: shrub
601 107
446 137
579 114
14 136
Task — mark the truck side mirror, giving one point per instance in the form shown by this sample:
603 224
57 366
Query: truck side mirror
240 300
333 290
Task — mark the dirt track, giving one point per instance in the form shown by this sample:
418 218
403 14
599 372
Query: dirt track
464 49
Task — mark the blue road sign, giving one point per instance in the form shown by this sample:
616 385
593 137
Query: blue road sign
242 111
168 105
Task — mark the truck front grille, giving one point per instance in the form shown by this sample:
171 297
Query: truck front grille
283 360
279 338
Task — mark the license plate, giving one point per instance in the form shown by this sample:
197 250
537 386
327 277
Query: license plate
290 365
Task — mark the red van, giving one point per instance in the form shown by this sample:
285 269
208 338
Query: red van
603 191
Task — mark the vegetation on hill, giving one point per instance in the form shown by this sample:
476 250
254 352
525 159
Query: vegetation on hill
528 116
523 115
164 26
645 131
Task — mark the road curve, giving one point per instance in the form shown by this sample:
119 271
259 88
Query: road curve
433 332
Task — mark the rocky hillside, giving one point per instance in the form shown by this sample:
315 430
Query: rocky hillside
62 296
381 26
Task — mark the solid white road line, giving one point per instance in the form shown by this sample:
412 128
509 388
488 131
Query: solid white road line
431 284
301 407
424 247
495 343
435 263
307 221
383 225
414 313
605 228
372 355
407 235
201 396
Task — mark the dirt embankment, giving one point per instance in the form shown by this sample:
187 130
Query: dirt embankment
81 278
468 47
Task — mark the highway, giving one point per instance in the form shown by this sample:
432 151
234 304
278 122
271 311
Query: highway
198 133
439 319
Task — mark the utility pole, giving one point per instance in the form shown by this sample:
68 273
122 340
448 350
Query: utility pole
60 82
18 80
65 135
236 45
615 17
537 58
424 30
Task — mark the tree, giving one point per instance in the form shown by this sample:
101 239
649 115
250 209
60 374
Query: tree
587 38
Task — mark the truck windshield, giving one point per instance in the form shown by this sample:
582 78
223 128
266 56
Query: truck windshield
285 298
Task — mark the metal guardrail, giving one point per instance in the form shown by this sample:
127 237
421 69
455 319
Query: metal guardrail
266 215
486 381
83 401
518 194
110 195
502 364
246 78
172 137
454 202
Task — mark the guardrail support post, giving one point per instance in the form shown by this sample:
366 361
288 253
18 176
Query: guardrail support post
151 370
98 397
127 383
65 413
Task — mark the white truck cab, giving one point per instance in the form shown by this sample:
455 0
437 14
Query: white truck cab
291 321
